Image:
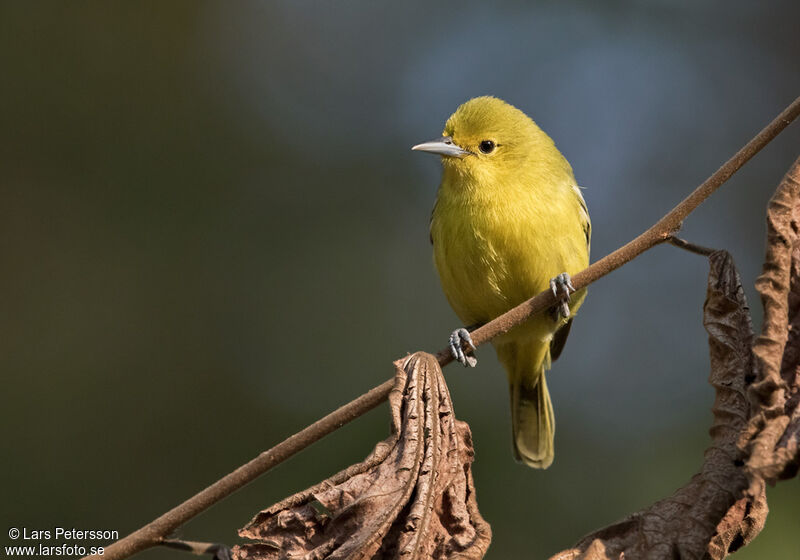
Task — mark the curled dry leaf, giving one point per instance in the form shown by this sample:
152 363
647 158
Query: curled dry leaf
771 441
743 522
682 525
412 498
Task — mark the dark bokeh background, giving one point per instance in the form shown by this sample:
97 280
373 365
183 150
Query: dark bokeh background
212 232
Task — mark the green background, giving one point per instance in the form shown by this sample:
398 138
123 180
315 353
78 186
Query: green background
213 232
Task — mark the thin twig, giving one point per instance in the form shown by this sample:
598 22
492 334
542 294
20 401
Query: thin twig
198 548
152 533
691 247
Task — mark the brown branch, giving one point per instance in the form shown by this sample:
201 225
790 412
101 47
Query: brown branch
154 532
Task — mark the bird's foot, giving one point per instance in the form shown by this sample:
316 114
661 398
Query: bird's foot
562 287
458 337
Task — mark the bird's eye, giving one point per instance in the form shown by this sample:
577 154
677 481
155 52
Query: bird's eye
486 146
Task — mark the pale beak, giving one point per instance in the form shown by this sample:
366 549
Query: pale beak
443 146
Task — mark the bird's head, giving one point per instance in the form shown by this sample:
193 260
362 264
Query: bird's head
488 138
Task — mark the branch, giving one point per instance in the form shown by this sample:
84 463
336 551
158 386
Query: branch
155 532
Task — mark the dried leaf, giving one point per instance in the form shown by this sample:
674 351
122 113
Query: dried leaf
743 522
771 439
682 525
412 498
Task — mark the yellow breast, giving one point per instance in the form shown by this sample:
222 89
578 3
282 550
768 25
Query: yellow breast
493 252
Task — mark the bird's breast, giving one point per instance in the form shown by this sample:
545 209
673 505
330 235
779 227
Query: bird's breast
493 254
478 257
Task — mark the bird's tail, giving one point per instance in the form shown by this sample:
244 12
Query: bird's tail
532 421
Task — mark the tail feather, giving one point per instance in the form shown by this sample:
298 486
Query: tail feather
533 423
532 419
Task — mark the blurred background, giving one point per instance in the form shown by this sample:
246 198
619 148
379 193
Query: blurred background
213 232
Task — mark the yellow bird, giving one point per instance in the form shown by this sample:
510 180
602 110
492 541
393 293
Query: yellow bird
509 221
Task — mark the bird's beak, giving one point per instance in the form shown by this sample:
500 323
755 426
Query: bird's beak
443 146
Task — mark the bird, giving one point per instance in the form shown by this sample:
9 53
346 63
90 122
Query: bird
509 221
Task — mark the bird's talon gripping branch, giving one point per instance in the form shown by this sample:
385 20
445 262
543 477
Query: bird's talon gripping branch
456 338
562 287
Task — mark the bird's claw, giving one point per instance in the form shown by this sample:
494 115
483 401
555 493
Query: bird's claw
457 337
562 287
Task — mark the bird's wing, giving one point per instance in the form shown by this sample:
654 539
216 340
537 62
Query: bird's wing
585 221
559 340
430 221
560 336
